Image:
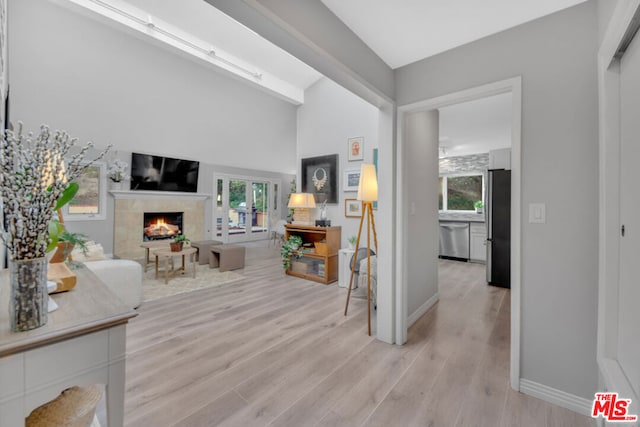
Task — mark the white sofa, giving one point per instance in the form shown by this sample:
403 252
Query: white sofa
122 276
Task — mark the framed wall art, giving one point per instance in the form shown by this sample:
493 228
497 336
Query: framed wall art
352 208
375 162
351 179
320 178
356 149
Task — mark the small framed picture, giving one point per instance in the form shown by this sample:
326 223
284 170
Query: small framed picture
351 180
356 149
352 208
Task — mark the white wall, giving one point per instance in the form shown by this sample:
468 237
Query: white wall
605 11
420 164
556 57
329 116
101 84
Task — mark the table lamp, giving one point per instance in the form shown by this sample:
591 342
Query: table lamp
302 203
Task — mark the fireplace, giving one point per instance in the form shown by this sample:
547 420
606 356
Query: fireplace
161 225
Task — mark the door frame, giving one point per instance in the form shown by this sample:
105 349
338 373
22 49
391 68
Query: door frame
612 376
273 213
513 85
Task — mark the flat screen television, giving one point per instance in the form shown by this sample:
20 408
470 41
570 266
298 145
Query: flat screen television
163 173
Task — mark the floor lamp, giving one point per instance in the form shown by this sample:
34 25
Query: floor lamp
367 193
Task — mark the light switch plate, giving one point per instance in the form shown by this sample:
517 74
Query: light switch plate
537 213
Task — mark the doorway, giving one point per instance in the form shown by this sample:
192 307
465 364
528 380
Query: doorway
244 207
405 208
474 152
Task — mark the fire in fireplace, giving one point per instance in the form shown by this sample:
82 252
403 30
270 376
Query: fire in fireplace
161 225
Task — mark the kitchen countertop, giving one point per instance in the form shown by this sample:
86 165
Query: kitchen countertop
461 217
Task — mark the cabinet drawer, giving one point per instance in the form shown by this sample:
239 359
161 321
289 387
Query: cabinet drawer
52 362
11 375
477 228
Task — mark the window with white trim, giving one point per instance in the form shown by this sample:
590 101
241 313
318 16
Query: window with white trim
460 192
90 202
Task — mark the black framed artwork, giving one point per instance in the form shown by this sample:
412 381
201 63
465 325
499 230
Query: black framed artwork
320 178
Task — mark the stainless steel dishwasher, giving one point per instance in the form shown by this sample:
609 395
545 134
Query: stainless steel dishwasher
454 239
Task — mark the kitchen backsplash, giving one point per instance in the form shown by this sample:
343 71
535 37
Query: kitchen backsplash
460 164
461 216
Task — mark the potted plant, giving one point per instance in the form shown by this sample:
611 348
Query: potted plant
67 241
352 242
34 181
117 173
289 249
479 205
178 242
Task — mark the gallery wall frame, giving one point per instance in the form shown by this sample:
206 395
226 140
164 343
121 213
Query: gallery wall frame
355 149
319 176
352 208
375 163
351 179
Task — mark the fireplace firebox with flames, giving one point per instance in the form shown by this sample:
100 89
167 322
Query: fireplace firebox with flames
161 225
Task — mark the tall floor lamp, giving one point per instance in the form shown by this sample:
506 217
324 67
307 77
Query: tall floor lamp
367 193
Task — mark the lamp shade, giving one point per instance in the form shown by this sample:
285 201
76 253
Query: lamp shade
368 186
302 200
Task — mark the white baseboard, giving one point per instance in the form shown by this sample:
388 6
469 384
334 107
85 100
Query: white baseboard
413 317
557 397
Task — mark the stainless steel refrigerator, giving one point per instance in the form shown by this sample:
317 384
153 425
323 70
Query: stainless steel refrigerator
498 217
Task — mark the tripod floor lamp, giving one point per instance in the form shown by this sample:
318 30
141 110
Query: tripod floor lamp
367 193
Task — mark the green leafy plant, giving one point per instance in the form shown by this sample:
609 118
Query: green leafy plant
181 238
352 240
56 229
479 204
290 249
78 240
67 241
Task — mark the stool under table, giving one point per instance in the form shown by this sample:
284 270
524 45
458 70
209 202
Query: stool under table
227 257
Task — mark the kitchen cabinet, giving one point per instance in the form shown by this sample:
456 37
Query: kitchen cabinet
477 242
500 159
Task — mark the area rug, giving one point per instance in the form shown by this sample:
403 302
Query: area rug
206 277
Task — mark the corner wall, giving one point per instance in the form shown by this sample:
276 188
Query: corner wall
329 117
101 84
556 57
422 237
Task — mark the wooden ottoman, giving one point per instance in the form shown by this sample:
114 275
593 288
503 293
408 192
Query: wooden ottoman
227 257
202 247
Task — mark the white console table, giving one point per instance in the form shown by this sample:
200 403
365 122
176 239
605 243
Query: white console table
83 343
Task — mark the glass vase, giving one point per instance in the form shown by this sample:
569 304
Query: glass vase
29 297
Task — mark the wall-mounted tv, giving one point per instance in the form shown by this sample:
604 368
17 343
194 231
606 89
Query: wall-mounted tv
163 173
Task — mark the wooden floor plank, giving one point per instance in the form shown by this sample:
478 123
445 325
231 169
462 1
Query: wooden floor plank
272 349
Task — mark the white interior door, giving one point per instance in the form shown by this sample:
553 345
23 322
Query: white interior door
629 289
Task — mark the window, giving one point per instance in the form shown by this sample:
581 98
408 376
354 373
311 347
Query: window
460 192
91 199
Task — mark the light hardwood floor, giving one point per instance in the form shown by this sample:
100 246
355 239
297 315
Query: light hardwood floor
277 350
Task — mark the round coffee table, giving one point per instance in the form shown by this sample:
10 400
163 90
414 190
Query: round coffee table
169 256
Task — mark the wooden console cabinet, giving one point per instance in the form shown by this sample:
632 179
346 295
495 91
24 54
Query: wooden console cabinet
316 262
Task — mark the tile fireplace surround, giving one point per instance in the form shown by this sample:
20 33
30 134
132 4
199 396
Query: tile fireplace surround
129 212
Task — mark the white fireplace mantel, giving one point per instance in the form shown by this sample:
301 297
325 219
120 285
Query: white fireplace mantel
142 194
